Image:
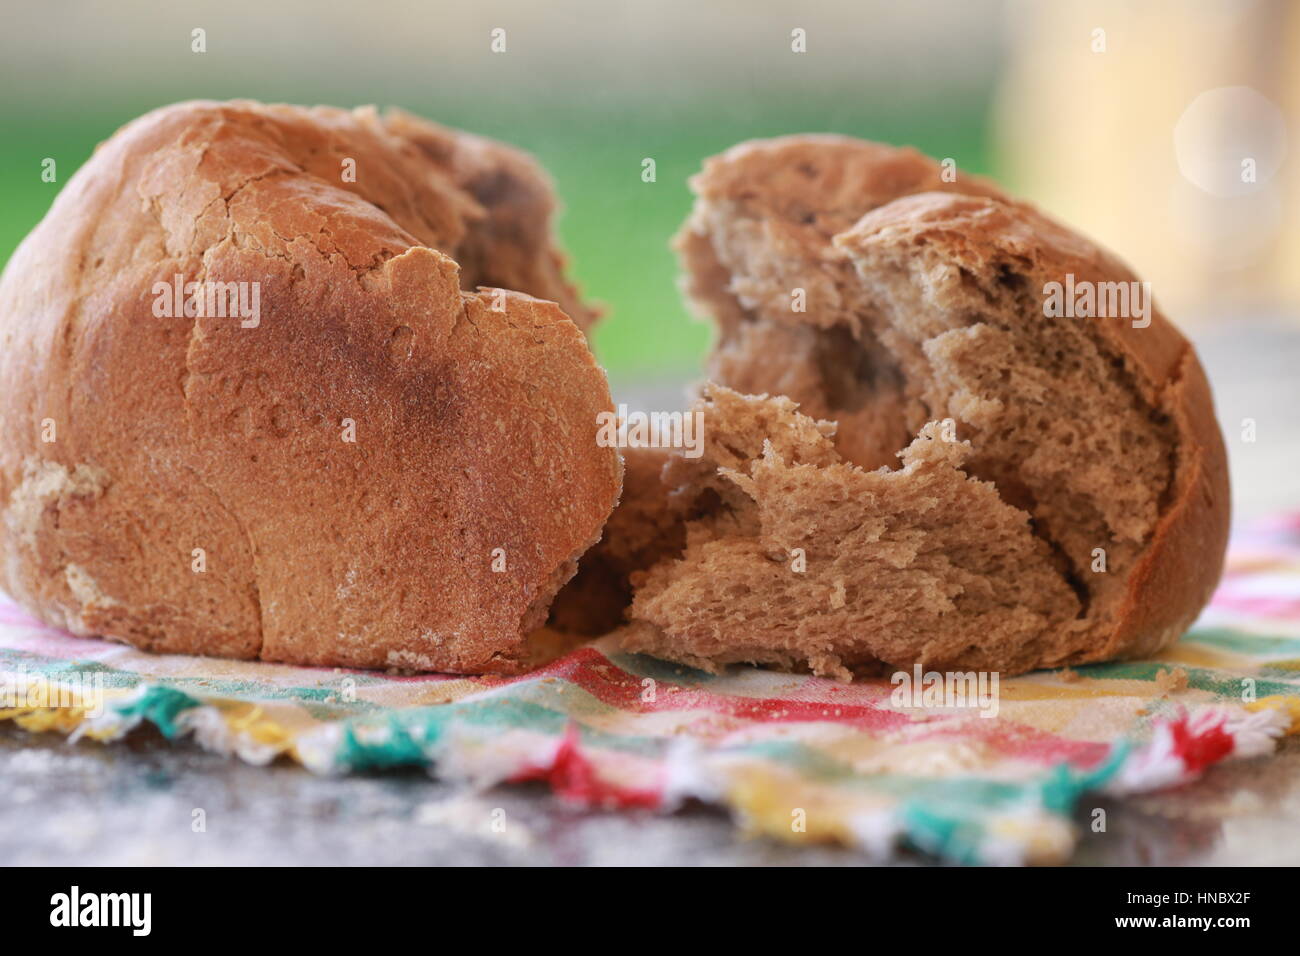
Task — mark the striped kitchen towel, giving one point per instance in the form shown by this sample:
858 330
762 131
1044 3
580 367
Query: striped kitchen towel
967 770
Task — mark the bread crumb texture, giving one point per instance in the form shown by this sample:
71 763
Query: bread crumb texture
1062 495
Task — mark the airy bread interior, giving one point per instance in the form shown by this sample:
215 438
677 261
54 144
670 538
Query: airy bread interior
916 334
798 556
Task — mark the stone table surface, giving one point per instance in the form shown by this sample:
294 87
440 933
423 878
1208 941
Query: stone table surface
135 802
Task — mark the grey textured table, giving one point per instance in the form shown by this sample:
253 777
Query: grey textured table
134 802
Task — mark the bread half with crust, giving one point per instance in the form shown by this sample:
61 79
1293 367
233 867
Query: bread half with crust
1063 496
376 466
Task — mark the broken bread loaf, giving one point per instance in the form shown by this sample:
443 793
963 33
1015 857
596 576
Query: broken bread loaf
256 409
1082 511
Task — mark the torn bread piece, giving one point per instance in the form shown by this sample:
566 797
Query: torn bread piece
863 283
800 558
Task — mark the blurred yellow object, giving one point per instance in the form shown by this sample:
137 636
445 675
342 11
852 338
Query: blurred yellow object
1166 129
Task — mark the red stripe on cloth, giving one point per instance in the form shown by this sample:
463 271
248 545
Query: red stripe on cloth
573 777
611 685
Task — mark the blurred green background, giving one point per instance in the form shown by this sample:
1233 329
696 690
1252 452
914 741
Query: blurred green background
1119 117
588 87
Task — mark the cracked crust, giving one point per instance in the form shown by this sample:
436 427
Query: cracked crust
200 495
924 302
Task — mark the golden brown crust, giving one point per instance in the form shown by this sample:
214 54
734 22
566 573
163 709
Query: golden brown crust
510 246
825 181
1180 569
349 471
